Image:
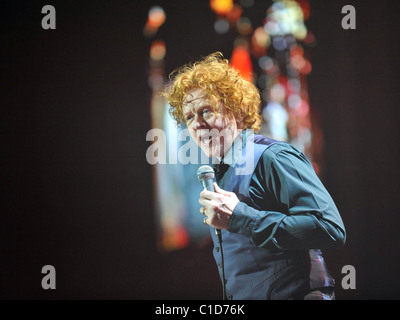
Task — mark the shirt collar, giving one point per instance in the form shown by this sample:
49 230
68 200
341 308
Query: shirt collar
235 151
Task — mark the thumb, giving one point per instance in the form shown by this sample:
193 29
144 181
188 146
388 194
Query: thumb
219 190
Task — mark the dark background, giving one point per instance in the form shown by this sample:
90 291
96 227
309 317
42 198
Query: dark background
76 189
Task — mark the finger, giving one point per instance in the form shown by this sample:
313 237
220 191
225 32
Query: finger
219 190
204 202
206 194
203 211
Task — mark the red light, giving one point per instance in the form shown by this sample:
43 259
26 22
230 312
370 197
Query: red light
241 61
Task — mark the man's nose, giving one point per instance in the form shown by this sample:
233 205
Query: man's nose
199 123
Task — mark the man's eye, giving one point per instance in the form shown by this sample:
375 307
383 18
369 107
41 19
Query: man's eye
188 118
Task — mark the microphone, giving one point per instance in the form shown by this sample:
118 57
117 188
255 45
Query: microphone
206 176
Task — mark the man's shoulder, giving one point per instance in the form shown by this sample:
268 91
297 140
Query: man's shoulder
273 147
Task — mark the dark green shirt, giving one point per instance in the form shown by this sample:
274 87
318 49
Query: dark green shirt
297 211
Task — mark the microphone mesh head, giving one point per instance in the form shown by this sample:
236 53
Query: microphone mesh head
205 173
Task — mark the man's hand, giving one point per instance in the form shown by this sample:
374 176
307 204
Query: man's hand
217 206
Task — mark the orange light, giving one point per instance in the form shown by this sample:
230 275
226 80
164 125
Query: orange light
298 62
296 50
156 17
261 37
234 14
306 69
241 61
221 7
157 50
305 7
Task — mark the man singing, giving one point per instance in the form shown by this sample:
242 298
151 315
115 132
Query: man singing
275 216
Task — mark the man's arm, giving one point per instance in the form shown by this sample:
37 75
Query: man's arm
311 219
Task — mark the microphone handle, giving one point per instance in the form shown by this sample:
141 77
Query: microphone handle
208 184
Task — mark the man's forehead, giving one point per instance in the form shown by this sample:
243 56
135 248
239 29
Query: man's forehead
195 96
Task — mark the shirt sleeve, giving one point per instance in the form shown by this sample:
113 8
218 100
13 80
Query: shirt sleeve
307 217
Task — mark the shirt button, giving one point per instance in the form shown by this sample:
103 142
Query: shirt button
217 249
220 265
230 297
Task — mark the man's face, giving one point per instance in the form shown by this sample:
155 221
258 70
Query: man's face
213 132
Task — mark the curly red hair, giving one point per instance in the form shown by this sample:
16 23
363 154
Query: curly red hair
221 83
